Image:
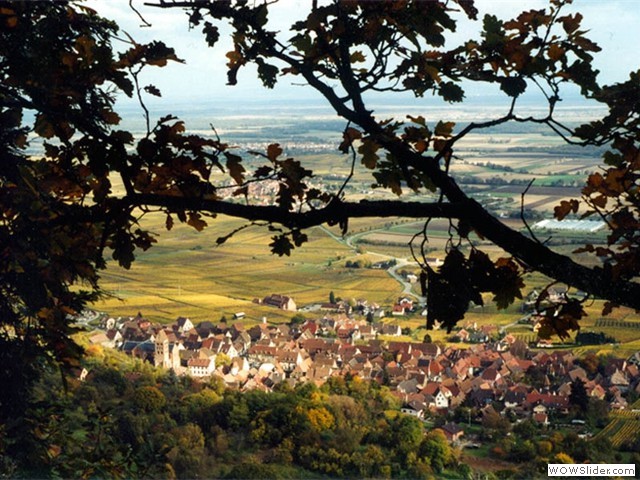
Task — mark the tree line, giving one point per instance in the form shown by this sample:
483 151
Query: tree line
129 420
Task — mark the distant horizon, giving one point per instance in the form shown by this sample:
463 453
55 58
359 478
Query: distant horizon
612 24
199 114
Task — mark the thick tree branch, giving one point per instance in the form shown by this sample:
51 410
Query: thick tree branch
333 212
560 267
539 257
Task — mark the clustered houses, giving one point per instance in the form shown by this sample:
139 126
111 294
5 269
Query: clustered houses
471 333
402 307
425 377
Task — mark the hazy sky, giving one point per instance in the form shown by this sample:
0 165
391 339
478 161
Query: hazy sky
613 24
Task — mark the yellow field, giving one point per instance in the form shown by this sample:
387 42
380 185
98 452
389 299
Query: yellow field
623 427
186 274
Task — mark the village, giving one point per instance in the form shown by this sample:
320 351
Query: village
427 378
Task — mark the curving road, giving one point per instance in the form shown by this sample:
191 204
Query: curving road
393 271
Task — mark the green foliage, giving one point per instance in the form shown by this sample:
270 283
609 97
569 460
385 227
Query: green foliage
578 396
186 451
494 425
157 428
251 470
149 399
597 413
358 263
562 458
526 429
593 338
435 447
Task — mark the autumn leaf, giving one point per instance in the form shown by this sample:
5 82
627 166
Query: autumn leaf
451 92
274 151
420 120
444 129
599 201
242 191
432 73
357 57
368 150
421 146
608 308
613 159
211 33
235 57
54 451
9 16
299 237
263 172
565 207
123 249
507 283
513 86
571 23
110 117
281 245
349 135
153 90
43 126
195 220
267 74
234 165
555 52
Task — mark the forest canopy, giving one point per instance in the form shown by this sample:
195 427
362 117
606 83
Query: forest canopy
61 218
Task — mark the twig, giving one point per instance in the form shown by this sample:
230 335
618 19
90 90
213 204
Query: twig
144 21
524 220
353 166
141 101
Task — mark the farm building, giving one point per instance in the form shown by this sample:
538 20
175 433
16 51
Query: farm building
282 302
576 225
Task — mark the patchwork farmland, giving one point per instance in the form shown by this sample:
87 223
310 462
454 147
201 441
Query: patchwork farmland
186 274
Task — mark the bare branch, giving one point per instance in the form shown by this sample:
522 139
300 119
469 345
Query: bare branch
522 217
144 21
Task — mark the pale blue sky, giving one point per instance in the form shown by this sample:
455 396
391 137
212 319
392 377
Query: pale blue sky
613 24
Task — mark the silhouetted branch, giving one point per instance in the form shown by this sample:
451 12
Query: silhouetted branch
329 214
144 21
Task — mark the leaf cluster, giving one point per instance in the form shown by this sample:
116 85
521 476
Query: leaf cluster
58 209
462 280
612 193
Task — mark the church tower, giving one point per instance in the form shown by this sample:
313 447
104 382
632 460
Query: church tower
161 357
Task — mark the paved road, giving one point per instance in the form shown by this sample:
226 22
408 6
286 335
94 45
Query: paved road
87 316
393 271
